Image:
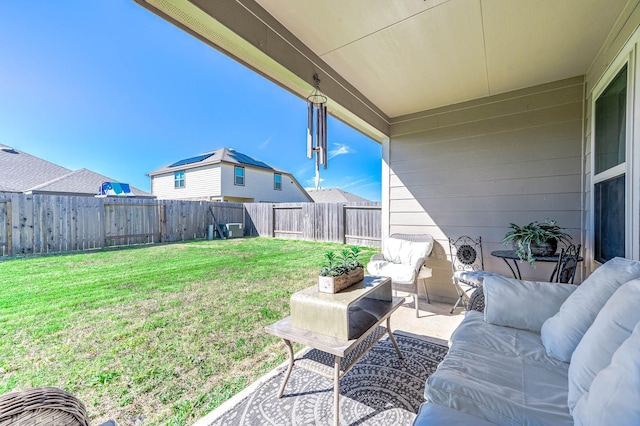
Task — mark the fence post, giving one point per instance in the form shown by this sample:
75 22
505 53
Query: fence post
9 229
162 213
273 220
344 224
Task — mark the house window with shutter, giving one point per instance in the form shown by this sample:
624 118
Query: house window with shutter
178 179
239 175
277 181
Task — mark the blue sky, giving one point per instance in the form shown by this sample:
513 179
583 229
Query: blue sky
108 86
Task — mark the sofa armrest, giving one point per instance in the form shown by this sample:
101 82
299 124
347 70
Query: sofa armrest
377 256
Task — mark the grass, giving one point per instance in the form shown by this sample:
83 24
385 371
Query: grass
162 334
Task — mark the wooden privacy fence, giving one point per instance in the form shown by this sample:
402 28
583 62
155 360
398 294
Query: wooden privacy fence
353 223
39 224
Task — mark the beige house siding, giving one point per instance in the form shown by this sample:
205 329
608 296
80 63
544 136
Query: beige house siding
258 186
472 168
201 183
622 45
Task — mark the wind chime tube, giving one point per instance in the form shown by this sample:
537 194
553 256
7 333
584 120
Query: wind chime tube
324 134
319 133
310 130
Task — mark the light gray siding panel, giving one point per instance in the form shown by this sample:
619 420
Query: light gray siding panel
216 181
475 168
624 28
258 186
518 202
523 101
201 183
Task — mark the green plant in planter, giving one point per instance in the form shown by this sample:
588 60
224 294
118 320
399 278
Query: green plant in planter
526 239
341 264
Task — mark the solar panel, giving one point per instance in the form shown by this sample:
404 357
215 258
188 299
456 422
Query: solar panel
242 158
191 160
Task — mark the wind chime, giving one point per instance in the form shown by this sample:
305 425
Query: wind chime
317 137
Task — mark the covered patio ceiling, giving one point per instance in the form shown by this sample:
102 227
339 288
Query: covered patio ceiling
380 61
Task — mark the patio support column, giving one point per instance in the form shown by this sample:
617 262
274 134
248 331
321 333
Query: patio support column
385 189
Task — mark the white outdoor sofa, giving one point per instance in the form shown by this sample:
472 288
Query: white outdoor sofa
544 354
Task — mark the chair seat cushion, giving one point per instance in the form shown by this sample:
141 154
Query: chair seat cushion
474 278
398 272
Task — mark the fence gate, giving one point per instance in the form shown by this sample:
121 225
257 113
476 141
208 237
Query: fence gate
132 223
5 227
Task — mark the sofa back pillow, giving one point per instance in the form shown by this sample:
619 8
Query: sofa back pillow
522 304
562 332
615 391
613 325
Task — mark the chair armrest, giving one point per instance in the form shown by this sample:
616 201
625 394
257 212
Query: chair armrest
377 256
419 264
476 301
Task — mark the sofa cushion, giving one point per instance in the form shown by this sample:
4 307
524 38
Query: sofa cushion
399 273
614 393
562 332
522 304
505 340
435 414
613 325
503 389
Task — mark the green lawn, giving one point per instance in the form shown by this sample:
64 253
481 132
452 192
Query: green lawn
164 333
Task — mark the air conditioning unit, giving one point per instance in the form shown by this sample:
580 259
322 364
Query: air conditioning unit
233 230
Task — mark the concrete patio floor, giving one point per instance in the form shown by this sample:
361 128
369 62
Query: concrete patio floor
434 322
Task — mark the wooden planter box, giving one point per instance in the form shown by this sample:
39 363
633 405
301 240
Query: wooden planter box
336 284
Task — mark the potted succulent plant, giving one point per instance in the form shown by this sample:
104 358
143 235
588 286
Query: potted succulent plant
535 239
340 270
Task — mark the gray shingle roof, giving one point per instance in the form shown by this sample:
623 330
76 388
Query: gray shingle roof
22 172
82 182
333 195
222 155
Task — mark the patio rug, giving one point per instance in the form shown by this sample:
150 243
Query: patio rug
379 390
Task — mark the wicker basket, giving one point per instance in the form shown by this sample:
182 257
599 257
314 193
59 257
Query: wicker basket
42 407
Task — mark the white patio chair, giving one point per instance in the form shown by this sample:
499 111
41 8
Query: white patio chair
402 259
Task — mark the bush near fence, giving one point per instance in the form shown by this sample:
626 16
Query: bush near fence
40 224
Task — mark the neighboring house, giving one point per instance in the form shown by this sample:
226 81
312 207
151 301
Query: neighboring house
24 173
226 175
334 195
488 112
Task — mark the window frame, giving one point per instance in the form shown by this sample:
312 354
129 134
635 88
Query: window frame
277 184
235 175
179 179
629 168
